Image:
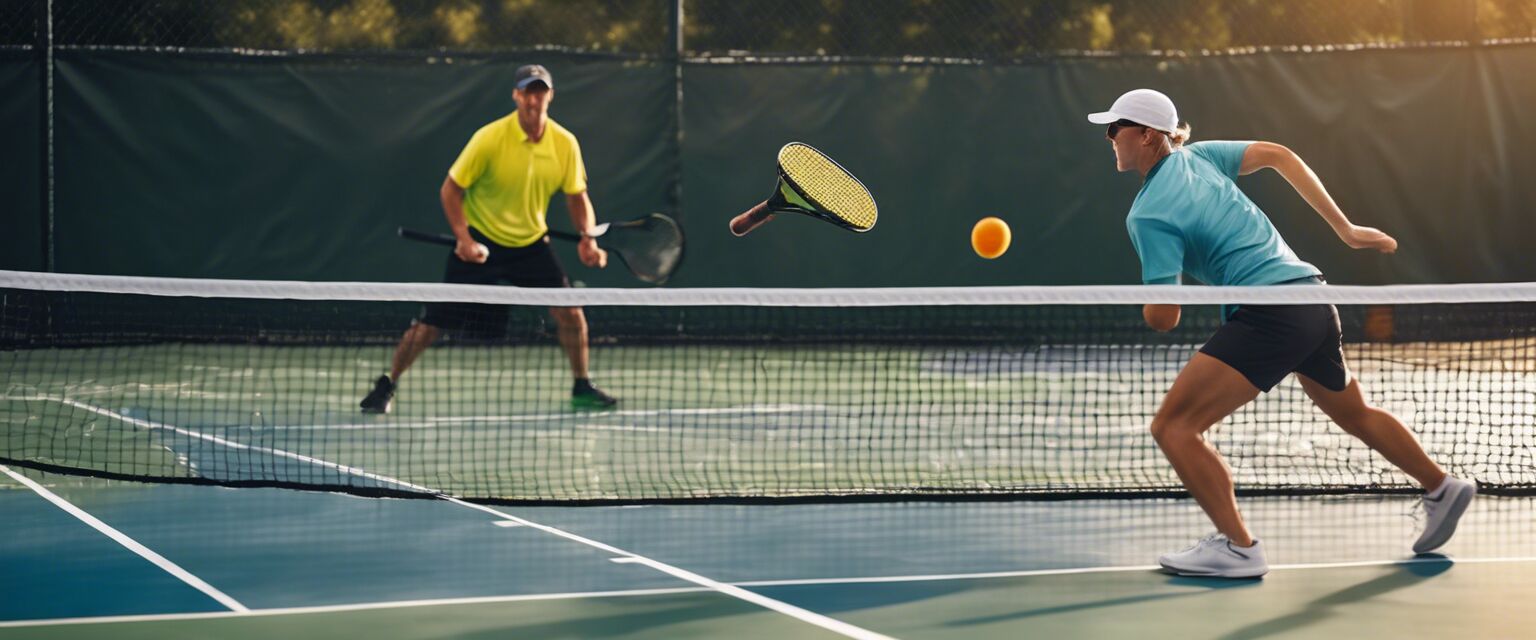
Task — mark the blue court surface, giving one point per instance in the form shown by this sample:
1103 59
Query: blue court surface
96 558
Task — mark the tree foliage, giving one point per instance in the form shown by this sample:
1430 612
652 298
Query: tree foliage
860 28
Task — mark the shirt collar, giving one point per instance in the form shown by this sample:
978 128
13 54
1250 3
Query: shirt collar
522 136
1150 173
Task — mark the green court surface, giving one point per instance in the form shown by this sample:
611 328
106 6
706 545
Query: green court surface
685 615
311 564
712 420
109 557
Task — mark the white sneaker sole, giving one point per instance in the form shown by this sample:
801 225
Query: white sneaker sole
1246 572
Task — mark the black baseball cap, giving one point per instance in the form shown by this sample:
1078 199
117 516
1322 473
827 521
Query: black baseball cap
529 74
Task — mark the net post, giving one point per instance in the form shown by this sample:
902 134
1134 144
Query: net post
675 57
43 42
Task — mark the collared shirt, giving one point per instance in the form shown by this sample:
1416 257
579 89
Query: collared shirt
1190 217
509 179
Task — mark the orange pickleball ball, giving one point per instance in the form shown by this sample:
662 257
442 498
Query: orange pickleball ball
990 237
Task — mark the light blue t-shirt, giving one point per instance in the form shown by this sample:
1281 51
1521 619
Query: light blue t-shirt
1190 217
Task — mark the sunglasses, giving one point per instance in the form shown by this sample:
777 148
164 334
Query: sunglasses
1116 126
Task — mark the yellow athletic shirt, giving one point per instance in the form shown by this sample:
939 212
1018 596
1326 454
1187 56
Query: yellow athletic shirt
508 179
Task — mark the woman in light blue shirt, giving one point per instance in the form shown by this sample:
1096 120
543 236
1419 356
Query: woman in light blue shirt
1190 217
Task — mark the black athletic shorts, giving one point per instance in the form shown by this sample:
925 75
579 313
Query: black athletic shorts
532 266
1268 342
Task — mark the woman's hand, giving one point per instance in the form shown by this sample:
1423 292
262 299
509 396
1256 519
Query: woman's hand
1358 237
1161 317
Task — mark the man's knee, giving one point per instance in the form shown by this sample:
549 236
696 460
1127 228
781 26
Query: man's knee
569 316
421 331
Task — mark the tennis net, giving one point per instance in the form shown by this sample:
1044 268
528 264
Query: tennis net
729 394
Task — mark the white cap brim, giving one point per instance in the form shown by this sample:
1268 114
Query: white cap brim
1103 117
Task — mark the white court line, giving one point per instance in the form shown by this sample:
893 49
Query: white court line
758 583
132 545
745 410
803 615
342 608
736 590
623 428
148 424
809 617
749 409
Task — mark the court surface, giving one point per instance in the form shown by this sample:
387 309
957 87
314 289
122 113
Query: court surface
93 557
746 420
259 562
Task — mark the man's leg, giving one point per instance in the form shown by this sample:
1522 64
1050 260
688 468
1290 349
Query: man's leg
572 324
416 340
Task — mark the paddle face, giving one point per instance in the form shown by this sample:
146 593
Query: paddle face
813 184
650 246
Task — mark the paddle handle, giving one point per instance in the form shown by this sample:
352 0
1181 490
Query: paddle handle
753 218
449 241
422 236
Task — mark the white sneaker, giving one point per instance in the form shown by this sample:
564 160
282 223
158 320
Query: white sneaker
1442 509
1216 556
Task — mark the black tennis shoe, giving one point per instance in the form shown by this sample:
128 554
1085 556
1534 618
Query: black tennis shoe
586 396
382 398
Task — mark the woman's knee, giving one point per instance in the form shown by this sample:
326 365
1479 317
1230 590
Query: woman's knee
1165 427
1177 422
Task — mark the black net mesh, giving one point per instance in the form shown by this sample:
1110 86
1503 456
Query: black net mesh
724 402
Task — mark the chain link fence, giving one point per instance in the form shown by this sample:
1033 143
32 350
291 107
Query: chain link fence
1003 29
18 23
970 29
364 26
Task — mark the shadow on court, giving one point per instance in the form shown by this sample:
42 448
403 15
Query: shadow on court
1391 579
1205 584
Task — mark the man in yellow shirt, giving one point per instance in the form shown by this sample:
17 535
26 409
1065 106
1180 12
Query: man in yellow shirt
496 197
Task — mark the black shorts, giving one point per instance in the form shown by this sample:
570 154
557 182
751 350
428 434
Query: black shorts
532 266
1267 342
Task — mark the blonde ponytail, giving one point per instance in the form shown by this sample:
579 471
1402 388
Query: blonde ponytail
1181 134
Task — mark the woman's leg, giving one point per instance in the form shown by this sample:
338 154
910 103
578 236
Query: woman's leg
1206 391
1378 429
